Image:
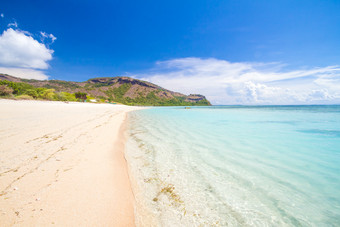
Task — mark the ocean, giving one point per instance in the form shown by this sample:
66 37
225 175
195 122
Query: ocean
235 165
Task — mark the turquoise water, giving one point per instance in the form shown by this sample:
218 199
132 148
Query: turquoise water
236 166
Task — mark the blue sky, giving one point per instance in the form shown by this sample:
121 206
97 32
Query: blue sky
169 42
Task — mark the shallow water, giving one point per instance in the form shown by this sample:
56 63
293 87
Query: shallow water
236 165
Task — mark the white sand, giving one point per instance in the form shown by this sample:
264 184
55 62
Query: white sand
63 165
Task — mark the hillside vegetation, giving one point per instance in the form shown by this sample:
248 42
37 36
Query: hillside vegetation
123 90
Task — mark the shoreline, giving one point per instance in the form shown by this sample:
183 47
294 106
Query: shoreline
143 215
64 164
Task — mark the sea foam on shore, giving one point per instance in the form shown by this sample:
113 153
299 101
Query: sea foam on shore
239 166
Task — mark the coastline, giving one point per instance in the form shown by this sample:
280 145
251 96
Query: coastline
235 166
144 216
63 164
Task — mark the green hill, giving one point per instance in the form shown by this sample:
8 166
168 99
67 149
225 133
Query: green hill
123 90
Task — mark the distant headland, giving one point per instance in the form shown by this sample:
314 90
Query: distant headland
124 90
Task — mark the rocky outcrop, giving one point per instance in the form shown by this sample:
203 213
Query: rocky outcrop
9 78
195 98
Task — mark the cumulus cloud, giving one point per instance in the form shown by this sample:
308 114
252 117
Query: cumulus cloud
24 73
20 50
20 53
321 94
225 82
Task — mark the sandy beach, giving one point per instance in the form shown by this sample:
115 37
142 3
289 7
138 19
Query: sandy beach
62 164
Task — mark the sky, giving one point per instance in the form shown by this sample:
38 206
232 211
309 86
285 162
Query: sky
232 51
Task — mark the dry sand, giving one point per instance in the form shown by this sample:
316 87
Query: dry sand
62 164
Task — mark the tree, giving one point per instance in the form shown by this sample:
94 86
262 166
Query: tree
80 95
5 90
31 92
48 94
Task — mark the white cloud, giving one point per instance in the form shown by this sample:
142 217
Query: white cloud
45 35
2 15
23 56
14 24
321 94
52 37
20 50
224 82
24 73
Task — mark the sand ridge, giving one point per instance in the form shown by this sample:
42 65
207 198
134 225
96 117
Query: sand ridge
62 164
